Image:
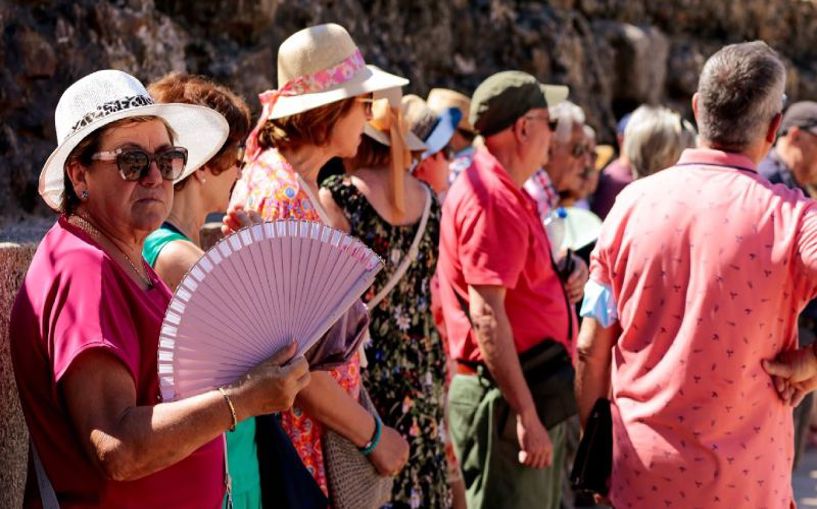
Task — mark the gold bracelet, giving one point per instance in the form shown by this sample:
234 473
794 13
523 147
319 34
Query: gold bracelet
232 407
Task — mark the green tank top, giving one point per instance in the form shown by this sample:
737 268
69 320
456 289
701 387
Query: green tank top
242 450
158 239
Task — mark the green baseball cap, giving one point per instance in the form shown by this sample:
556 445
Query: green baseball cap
505 96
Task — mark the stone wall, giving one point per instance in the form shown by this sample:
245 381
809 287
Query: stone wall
14 260
614 54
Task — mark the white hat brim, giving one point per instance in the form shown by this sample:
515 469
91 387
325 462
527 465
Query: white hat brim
201 130
413 143
368 80
442 132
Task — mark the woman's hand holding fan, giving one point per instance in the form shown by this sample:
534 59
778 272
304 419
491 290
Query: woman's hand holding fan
254 293
271 386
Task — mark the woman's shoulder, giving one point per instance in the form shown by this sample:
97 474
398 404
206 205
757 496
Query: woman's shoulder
157 240
343 191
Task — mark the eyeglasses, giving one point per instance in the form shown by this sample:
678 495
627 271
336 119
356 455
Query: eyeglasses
578 150
367 104
134 163
552 124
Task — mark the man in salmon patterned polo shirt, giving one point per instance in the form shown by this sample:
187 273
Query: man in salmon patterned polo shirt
697 279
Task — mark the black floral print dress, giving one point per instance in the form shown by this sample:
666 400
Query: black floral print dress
406 372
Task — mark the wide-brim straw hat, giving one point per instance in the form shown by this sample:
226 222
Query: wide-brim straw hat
106 96
378 128
441 99
320 65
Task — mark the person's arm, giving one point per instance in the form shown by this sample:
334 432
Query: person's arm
594 357
128 441
495 338
174 260
337 218
327 402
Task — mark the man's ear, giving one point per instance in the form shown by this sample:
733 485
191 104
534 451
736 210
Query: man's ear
520 129
774 126
695 107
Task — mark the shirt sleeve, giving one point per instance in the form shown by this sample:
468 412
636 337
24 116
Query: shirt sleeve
89 311
807 246
492 239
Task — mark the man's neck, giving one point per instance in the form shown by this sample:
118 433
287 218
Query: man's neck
508 158
756 152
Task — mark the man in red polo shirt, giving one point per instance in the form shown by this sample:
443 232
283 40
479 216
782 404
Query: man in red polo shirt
496 273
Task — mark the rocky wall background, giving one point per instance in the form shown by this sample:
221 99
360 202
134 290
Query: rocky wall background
614 54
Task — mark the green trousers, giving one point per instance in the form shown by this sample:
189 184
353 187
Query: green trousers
483 432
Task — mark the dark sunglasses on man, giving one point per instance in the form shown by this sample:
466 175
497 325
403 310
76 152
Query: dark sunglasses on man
134 163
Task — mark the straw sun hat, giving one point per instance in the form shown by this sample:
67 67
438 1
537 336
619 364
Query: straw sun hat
106 96
441 99
322 65
317 66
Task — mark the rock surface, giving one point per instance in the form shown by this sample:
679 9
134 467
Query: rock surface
614 54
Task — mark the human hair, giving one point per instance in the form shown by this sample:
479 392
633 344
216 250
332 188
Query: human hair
179 87
654 139
589 133
312 127
566 114
370 154
84 152
739 92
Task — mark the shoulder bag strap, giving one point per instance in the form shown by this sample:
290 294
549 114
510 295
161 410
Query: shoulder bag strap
314 199
47 494
409 258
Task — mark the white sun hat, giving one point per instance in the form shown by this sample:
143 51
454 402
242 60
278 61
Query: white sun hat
106 96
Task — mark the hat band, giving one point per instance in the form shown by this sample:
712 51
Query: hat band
109 108
307 84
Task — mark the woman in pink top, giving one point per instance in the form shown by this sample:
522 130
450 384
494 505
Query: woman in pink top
318 112
85 325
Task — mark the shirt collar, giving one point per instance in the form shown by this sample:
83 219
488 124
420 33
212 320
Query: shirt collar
484 159
714 157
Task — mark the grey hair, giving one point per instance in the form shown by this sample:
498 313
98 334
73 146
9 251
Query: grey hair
589 132
654 139
739 92
566 114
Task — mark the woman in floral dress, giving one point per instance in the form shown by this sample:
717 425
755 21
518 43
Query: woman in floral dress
406 368
318 112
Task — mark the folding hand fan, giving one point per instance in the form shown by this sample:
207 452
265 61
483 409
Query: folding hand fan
252 294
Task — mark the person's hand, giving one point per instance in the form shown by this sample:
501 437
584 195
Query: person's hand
794 374
391 454
535 447
237 218
575 283
272 385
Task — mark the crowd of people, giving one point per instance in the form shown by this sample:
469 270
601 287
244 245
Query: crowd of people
454 375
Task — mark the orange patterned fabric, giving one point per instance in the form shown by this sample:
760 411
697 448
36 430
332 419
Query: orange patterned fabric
269 185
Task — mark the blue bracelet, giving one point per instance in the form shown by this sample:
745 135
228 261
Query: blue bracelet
378 432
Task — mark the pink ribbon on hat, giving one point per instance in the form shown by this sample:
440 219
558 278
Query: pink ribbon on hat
318 81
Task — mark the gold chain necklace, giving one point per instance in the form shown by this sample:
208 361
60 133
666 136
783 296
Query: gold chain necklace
95 232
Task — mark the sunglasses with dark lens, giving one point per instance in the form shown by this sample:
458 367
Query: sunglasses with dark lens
134 163
552 123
